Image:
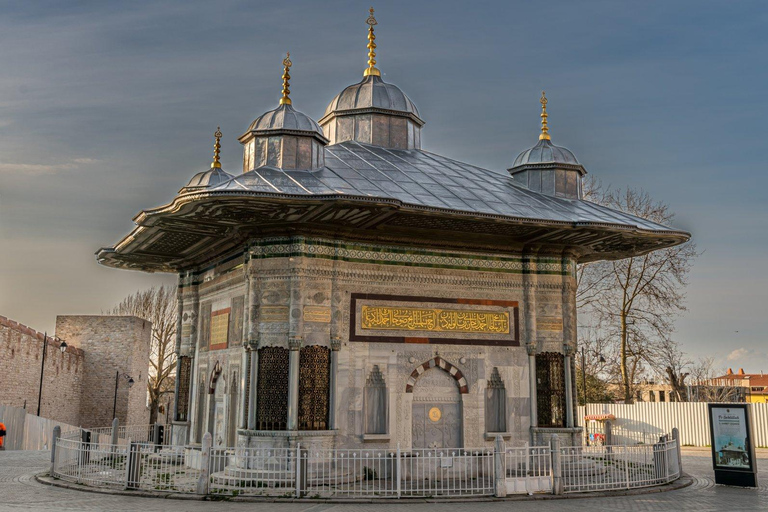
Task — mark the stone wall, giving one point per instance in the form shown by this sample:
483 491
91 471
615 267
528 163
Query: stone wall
21 350
112 344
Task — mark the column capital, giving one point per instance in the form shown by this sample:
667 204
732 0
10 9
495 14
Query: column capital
335 343
567 349
531 348
294 342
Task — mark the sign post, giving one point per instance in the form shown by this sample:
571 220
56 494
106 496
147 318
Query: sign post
733 454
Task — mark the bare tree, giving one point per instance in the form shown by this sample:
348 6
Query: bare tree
635 300
158 305
707 387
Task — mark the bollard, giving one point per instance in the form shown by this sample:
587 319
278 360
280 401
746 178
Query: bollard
676 437
115 425
55 437
205 463
498 468
557 466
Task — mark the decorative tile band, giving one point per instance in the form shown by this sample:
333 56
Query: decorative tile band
284 247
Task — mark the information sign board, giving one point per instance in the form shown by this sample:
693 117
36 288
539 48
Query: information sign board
733 455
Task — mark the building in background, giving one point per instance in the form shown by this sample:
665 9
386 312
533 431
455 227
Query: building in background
348 287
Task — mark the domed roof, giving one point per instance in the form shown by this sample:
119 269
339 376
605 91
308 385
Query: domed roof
373 92
544 152
208 179
285 117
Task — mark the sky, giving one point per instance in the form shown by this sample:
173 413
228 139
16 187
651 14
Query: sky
109 108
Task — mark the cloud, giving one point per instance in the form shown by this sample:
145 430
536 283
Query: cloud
740 353
45 168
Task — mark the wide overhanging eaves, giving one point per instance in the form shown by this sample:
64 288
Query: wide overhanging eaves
198 227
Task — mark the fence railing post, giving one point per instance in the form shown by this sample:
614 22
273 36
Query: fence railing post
397 471
298 471
626 467
54 438
557 466
133 466
500 487
204 479
528 452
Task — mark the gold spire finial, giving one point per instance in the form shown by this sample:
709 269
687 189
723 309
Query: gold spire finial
371 70
217 149
544 128
286 100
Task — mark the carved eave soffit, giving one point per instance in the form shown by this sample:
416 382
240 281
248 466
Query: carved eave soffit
196 229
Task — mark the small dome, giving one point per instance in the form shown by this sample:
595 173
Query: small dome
544 152
208 179
373 92
285 117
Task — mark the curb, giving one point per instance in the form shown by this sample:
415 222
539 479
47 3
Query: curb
684 481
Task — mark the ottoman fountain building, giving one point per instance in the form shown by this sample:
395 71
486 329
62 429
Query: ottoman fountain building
348 287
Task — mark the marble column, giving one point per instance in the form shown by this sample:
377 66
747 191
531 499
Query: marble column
333 401
570 333
253 363
294 344
532 382
530 282
245 389
568 386
177 348
254 300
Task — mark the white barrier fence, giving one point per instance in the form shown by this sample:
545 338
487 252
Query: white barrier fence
360 473
644 422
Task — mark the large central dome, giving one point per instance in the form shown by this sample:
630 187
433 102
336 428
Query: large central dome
373 94
373 111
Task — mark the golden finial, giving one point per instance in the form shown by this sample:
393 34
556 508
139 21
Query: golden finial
371 70
217 149
544 128
285 100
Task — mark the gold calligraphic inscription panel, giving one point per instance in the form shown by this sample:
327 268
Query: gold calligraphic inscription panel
434 319
274 313
549 324
320 314
219 329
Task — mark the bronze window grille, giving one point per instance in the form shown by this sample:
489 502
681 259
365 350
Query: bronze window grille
182 400
314 387
550 389
272 389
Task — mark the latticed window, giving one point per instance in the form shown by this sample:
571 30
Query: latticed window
314 387
182 400
550 389
272 389
375 403
495 404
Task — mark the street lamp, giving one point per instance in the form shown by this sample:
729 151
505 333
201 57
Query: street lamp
584 371
63 348
117 381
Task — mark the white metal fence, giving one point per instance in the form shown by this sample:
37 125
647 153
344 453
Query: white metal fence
598 468
644 422
364 473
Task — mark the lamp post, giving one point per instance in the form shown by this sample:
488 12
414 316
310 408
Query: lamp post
63 348
117 381
584 372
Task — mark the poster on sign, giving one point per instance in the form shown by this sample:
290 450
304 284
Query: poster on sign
733 457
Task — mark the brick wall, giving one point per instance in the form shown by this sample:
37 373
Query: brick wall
21 350
112 344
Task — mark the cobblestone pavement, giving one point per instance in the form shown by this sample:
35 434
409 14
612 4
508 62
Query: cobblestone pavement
20 491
